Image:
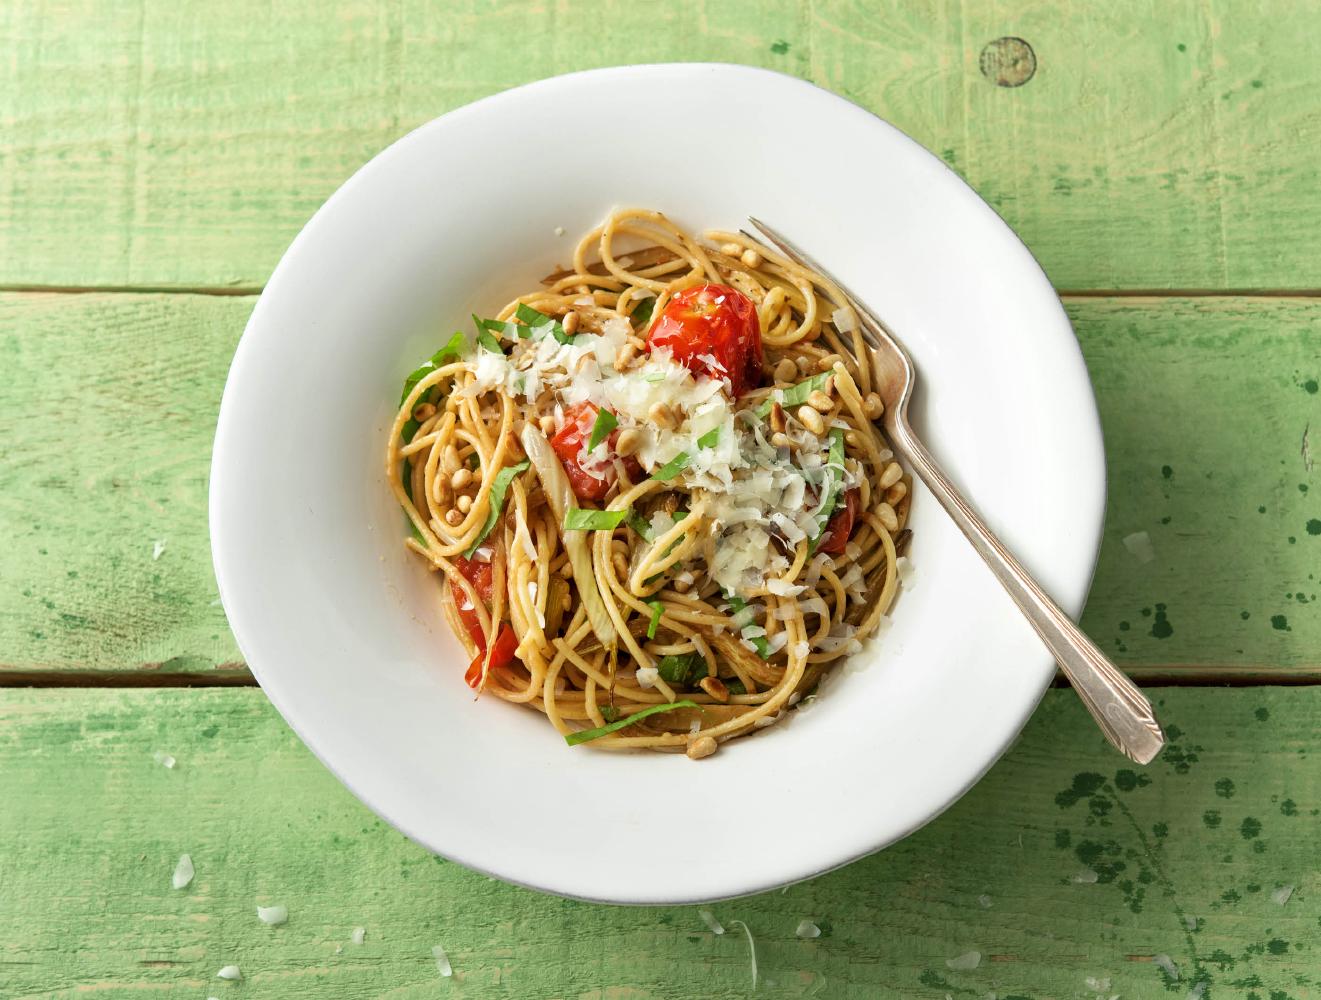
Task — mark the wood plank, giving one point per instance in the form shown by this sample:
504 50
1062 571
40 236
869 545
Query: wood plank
1186 855
1181 382
169 145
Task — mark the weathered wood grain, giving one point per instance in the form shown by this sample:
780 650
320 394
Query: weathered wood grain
1186 857
108 415
183 145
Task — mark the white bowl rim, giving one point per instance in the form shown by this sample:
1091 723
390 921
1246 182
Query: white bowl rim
1070 593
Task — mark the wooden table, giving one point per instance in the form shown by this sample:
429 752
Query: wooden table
156 159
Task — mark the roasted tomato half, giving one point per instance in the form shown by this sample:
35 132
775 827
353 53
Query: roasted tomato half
479 575
712 330
840 524
569 444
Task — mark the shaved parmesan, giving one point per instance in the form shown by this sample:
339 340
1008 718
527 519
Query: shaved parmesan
966 962
711 922
647 677
752 950
442 961
229 972
183 872
273 915
807 929
845 320
1140 547
359 935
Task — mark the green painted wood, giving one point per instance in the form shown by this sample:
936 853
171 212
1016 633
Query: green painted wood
183 145
1186 856
1219 391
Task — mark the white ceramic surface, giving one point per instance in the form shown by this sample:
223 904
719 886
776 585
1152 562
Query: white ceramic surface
343 628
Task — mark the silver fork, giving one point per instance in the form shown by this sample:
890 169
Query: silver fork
1118 706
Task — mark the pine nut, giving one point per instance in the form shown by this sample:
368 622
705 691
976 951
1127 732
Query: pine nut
777 418
806 366
662 416
424 412
715 687
682 584
891 475
873 406
886 515
853 439
813 334
547 425
624 355
751 258
449 458
820 402
461 478
465 504
570 323
781 441
786 370
810 419
453 518
730 249
896 492
828 362
703 746
628 442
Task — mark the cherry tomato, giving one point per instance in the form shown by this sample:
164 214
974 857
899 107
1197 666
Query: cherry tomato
712 323
840 524
479 575
502 654
569 444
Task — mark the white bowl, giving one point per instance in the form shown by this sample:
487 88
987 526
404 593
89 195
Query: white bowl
343 627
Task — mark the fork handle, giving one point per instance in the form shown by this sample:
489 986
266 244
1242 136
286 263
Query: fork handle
1118 706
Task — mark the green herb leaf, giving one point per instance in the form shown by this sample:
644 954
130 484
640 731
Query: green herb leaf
736 686
498 489
672 468
452 349
605 423
587 735
657 609
654 377
501 327
737 605
834 460
795 395
710 439
683 668
533 318
640 317
609 713
639 525
486 340
586 519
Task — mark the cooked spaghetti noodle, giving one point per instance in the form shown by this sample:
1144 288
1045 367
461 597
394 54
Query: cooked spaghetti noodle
656 488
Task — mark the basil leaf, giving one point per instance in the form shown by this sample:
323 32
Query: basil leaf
586 519
795 395
452 349
657 609
640 317
533 318
501 327
736 686
685 669
639 525
673 467
710 439
498 489
609 713
605 423
586 735
486 340
654 377
834 460
737 605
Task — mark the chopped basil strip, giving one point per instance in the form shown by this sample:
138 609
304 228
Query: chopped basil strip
736 686
737 605
640 317
609 713
501 327
795 395
586 519
710 439
498 490
488 341
587 735
639 525
685 669
654 377
452 349
673 467
605 423
657 609
834 462
533 318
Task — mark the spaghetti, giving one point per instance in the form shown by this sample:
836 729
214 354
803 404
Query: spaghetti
656 488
